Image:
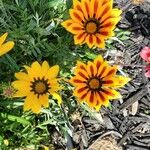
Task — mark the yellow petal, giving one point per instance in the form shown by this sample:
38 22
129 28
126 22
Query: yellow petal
45 67
22 76
35 70
44 100
4 48
58 97
3 38
22 86
33 103
111 93
120 81
52 72
98 61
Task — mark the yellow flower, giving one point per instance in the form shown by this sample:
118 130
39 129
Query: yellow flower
5 47
96 82
36 84
92 21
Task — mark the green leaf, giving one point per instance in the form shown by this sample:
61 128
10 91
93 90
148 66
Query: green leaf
13 118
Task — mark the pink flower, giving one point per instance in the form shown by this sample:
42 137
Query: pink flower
145 54
147 68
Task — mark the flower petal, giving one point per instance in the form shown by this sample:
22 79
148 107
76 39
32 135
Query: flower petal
76 28
91 69
86 8
52 72
4 48
90 40
80 38
32 102
67 23
44 100
45 68
22 86
77 16
3 38
22 76
58 97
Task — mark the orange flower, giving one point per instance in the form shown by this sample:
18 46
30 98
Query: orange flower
92 21
96 82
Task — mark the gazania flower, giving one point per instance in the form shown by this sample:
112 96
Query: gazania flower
145 54
36 84
96 83
5 47
92 21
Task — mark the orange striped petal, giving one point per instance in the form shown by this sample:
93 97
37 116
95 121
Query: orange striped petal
67 23
103 99
83 74
103 70
111 72
91 99
110 23
77 80
104 13
100 43
77 5
98 61
91 69
76 28
77 16
86 8
106 32
95 6
99 102
80 92
90 40
80 38
111 93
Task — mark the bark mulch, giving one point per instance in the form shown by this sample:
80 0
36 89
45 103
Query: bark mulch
127 124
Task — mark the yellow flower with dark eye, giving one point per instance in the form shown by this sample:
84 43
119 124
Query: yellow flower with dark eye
5 47
96 83
36 84
92 21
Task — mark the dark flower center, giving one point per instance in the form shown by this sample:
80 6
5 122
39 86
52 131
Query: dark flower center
94 83
40 86
92 26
